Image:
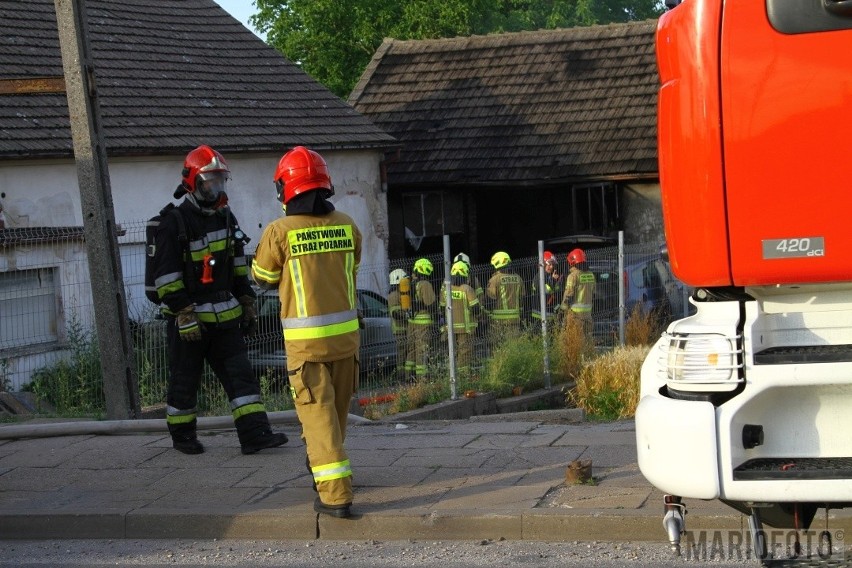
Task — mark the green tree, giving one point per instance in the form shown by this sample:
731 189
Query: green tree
333 40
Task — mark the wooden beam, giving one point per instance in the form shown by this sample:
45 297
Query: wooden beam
32 85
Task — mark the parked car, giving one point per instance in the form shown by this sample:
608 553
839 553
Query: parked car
647 278
648 282
378 348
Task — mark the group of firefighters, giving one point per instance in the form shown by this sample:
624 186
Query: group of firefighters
198 274
417 304
200 278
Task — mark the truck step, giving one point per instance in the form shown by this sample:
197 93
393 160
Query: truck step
804 354
794 468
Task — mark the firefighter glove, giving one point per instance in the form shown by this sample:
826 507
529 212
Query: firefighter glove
249 322
189 328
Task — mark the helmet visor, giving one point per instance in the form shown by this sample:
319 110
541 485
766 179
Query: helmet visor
211 184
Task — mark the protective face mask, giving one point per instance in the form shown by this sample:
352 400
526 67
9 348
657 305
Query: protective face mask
209 189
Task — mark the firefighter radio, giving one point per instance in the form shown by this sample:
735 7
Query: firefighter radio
207 273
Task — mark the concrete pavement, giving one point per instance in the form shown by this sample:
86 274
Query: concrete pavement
485 477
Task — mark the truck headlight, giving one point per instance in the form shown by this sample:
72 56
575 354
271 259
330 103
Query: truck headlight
700 361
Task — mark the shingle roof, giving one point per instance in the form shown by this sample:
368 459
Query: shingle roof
170 74
561 104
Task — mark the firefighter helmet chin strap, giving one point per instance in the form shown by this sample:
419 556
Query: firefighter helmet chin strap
279 193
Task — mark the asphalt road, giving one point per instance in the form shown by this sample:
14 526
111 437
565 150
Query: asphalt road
363 554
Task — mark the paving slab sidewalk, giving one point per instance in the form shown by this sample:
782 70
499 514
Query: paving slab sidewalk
502 477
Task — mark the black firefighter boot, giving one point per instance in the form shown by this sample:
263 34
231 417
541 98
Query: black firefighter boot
184 438
255 434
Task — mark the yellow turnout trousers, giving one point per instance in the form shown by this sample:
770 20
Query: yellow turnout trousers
322 393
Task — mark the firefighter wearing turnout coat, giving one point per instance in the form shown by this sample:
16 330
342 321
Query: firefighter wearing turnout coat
504 293
465 311
399 305
311 255
424 320
577 301
201 280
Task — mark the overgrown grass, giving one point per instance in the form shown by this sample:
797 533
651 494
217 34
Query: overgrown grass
608 387
421 393
152 362
516 362
573 349
408 397
641 327
5 381
74 386
276 396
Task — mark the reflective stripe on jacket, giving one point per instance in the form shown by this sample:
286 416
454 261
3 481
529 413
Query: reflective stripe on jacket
579 290
313 259
424 296
464 298
211 238
506 288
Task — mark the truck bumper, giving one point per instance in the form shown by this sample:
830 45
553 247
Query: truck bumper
676 446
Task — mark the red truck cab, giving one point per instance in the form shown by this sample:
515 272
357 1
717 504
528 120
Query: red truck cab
755 165
748 400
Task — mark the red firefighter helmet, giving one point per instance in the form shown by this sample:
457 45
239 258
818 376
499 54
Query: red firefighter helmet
299 171
576 256
206 162
549 257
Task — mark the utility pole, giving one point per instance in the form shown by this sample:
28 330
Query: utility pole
113 329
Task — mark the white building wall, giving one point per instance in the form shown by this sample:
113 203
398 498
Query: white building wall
46 194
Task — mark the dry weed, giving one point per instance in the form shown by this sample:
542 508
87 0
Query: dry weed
641 327
608 387
574 348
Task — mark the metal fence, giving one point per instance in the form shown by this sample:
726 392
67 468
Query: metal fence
47 343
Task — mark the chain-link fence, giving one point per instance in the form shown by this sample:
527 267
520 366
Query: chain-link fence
48 345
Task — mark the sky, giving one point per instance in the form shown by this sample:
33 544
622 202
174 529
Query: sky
240 9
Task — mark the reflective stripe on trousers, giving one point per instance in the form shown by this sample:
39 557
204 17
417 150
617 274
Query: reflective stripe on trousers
336 470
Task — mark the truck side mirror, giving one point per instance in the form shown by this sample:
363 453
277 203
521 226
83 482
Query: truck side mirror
672 3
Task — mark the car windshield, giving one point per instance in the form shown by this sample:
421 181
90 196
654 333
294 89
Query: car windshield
371 305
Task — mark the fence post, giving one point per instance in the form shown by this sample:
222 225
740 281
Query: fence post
621 291
542 300
448 318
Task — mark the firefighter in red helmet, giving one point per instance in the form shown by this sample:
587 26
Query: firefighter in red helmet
201 281
311 256
579 291
553 281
